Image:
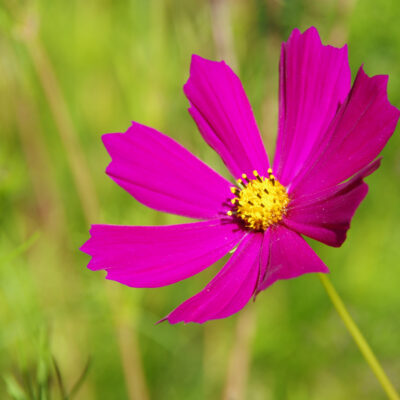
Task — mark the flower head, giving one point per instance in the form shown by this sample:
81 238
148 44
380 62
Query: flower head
329 136
260 202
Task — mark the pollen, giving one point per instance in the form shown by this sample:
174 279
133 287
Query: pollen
260 202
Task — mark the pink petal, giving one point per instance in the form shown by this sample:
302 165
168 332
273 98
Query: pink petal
161 174
326 215
289 256
359 131
152 256
229 291
263 260
224 116
314 80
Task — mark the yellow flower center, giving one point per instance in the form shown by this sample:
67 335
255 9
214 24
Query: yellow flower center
259 202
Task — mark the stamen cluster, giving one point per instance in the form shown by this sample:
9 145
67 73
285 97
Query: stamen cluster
259 202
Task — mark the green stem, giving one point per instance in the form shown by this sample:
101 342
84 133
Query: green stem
359 338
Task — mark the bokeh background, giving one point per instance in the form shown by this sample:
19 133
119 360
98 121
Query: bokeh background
73 70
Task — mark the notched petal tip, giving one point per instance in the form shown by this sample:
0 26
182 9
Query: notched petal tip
111 141
312 33
379 83
85 248
90 246
201 62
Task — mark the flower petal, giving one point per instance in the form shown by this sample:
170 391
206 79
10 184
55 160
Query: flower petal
161 174
263 259
358 133
153 256
326 216
314 80
289 256
229 291
224 116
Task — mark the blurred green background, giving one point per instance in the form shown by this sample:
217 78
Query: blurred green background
73 70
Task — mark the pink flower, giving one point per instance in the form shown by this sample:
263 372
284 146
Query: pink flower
329 136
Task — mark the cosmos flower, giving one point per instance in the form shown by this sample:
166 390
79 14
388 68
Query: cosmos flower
329 136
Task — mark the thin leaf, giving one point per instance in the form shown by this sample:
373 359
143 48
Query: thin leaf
28 385
81 379
13 388
63 392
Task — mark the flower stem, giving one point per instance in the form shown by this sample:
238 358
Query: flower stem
359 338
